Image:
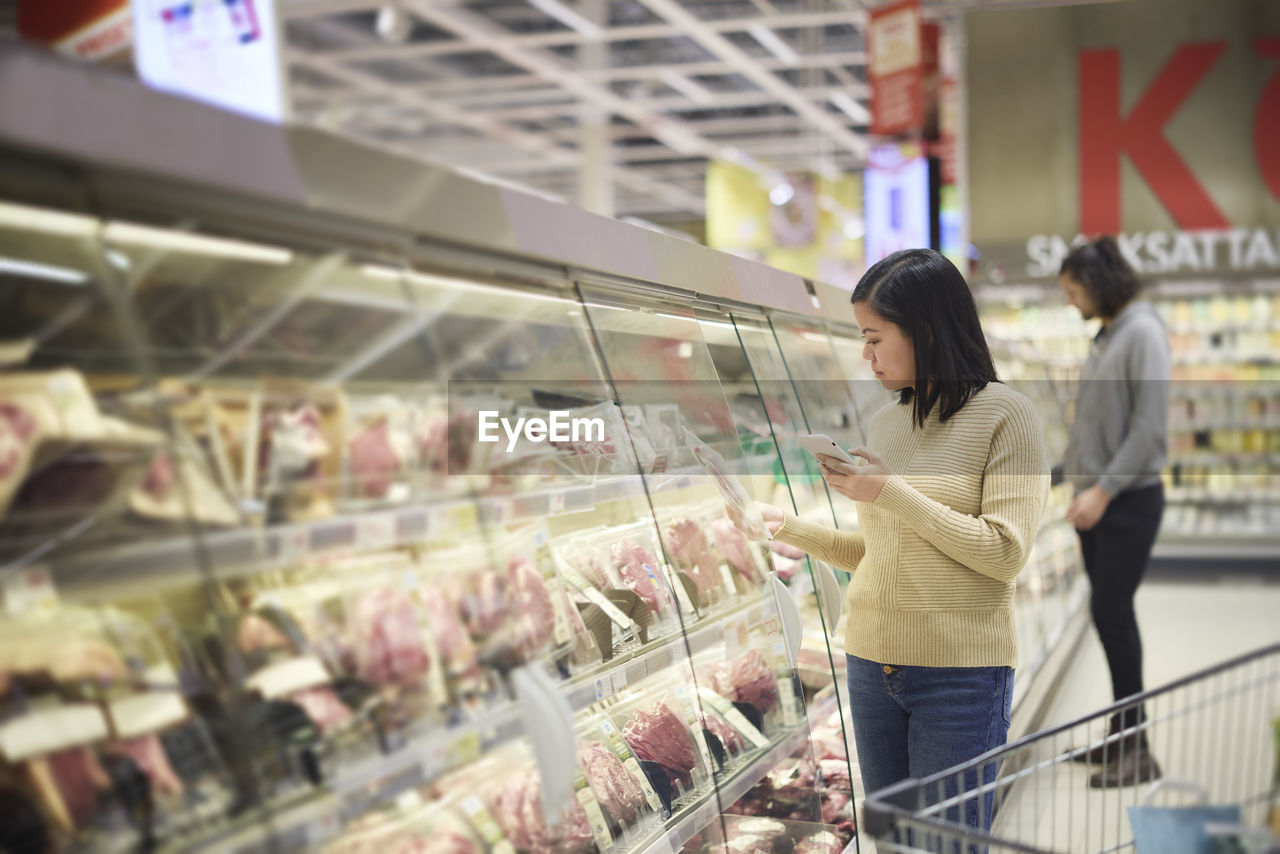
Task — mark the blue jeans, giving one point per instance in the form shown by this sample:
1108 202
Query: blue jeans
918 721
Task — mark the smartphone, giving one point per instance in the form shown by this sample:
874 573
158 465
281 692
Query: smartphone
819 443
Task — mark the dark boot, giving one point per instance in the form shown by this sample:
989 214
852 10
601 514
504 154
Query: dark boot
1104 752
1127 767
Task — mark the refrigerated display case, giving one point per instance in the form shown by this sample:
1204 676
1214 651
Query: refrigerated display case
265 587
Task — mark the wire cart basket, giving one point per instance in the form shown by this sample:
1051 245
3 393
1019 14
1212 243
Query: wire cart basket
1212 736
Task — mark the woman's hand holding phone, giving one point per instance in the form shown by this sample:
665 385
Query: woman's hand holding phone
857 482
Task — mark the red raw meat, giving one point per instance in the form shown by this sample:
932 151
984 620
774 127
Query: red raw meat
323 707
79 778
718 727
482 601
835 774
389 648
833 806
634 564
16 429
148 753
374 463
658 735
615 788
452 641
160 477
532 613
751 681
519 812
688 546
736 549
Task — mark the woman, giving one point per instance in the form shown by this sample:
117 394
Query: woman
949 502
1117 447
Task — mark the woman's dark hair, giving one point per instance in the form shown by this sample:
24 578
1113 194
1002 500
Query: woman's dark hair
1105 274
923 293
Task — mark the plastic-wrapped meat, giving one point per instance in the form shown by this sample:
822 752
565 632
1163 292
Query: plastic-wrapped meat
833 806
835 774
532 613
293 442
482 601
452 641
389 648
823 842
736 549
323 707
718 727
752 681
749 844
374 462
257 634
147 752
658 735
829 745
688 545
16 429
78 777
617 791
160 476
641 573
445 443
519 811
594 572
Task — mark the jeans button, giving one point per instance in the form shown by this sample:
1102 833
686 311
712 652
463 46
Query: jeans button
888 669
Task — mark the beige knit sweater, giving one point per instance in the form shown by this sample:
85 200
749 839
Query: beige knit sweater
934 565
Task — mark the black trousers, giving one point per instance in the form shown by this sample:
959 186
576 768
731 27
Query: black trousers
1116 553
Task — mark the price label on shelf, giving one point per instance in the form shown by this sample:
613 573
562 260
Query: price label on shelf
375 532
601 690
620 680
29 589
556 503
500 511
293 544
463 749
434 761
595 815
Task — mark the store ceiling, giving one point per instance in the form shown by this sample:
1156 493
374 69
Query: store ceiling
509 88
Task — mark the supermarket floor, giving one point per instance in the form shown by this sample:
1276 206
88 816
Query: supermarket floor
1187 624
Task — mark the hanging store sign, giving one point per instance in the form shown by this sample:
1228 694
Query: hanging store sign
223 52
91 30
902 70
1193 111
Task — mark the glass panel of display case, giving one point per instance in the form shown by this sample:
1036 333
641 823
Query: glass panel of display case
826 392
679 357
101 742
868 394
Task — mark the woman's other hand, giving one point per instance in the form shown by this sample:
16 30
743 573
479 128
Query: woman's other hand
860 483
772 517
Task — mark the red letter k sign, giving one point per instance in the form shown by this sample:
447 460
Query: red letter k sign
1104 134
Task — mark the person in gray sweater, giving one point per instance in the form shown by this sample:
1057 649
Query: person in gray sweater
1117 446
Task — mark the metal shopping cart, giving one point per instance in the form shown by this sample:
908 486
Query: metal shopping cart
1213 734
